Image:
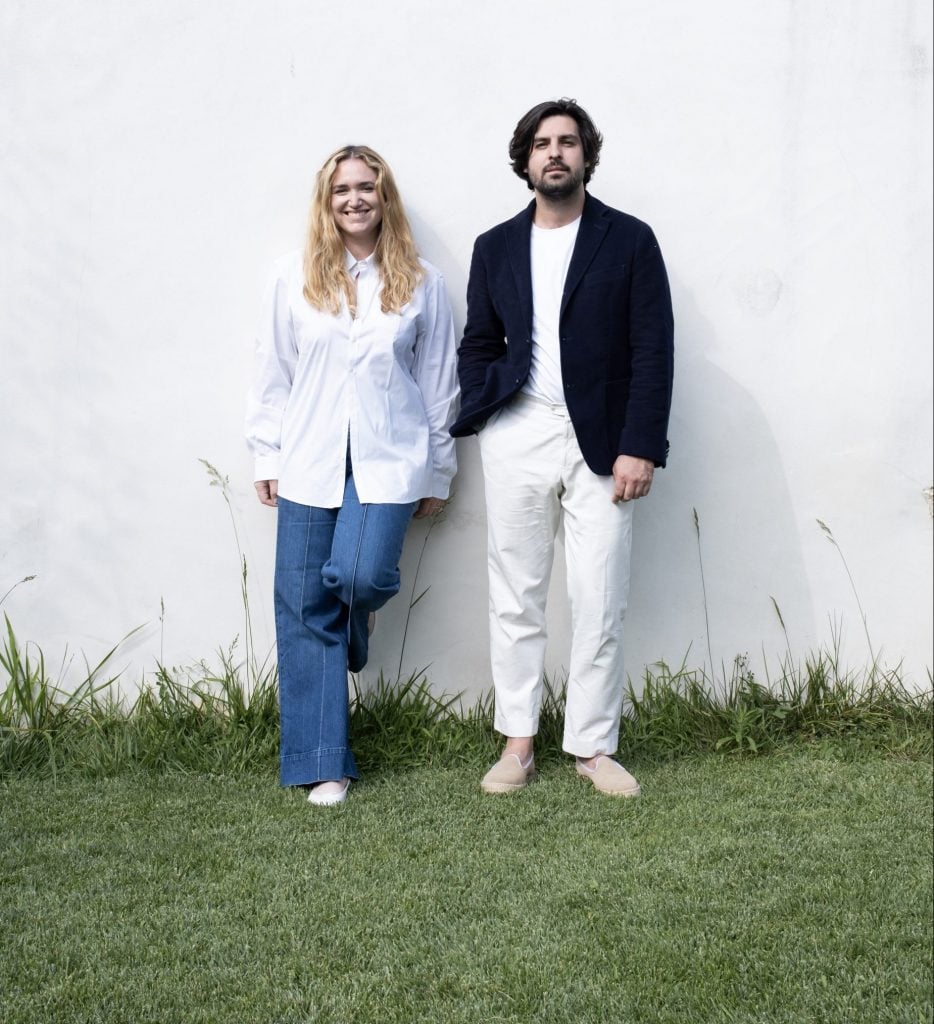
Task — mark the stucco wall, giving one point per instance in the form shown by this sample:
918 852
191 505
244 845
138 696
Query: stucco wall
158 155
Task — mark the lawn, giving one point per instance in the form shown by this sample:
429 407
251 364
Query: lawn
792 887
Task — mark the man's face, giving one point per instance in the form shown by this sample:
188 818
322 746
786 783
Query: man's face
556 160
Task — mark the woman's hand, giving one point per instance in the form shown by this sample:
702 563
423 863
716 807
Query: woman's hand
429 507
267 491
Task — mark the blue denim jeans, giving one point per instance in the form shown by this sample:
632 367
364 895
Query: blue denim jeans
333 567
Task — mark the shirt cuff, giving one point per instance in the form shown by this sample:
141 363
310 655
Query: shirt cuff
440 487
266 467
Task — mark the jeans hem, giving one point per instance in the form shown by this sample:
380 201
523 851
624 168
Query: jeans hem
317 766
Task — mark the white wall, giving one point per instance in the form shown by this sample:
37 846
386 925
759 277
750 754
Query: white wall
158 155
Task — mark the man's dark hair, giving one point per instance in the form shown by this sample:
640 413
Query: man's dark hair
521 144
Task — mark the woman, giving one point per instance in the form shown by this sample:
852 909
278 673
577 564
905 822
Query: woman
348 418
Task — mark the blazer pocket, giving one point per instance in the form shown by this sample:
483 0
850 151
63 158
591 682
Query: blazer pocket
607 275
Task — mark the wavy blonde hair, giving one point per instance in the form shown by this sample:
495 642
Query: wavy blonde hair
326 277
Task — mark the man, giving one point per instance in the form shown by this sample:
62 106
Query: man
565 371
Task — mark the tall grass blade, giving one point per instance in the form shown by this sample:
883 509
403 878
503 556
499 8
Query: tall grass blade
25 579
700 562
828 533
413 600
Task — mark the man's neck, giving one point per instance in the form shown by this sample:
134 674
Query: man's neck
556 213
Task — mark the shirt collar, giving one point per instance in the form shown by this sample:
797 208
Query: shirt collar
354 266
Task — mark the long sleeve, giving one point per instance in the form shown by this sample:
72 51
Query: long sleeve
651 334
484 338
434 372
275 359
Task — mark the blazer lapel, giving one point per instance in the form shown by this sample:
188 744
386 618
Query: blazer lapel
518 242
590 237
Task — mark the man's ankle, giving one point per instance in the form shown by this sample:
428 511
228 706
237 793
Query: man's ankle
523 749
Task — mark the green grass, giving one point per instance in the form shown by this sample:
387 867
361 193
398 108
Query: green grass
222 718
794 887
777 869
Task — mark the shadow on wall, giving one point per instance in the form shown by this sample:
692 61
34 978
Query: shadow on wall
451 264
725 464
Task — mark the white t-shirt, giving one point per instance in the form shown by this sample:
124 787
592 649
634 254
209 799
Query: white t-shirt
386 379
551 256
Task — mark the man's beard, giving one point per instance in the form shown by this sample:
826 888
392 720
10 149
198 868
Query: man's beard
558 189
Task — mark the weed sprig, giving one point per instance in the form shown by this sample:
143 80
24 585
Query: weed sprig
219 719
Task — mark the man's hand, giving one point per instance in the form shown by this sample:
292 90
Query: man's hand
632 477
429 507
267 491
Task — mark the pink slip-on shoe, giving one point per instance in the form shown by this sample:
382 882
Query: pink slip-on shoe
609 777
508 775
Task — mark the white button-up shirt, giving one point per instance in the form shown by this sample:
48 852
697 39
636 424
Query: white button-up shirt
388 380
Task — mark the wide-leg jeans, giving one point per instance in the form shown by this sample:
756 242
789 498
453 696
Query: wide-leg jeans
536 479
333 567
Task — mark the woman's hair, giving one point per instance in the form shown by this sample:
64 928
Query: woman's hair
326 277
520 145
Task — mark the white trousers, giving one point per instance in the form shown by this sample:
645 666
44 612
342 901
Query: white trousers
534 476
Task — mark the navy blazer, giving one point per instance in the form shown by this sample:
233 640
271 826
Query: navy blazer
616 334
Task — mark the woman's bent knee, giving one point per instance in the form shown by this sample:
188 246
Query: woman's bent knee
360 588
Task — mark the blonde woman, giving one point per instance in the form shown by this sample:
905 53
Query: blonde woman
354 392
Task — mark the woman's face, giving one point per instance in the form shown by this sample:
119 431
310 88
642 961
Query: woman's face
355 204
